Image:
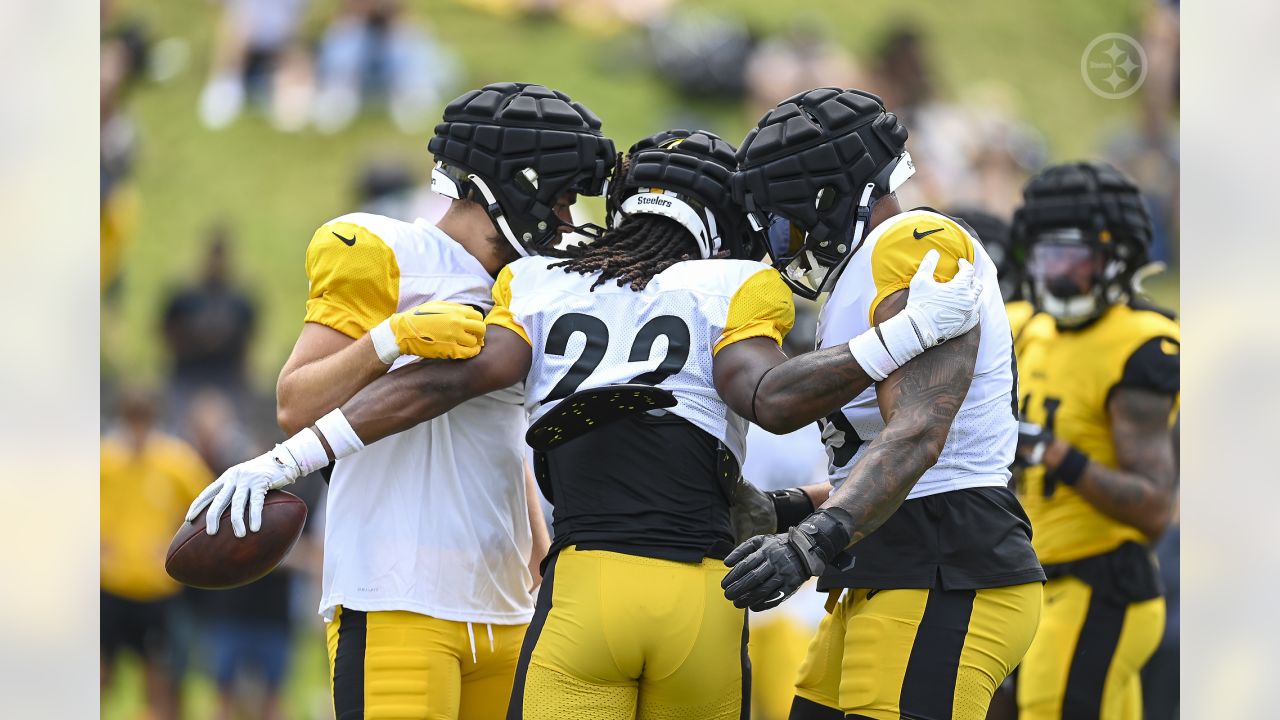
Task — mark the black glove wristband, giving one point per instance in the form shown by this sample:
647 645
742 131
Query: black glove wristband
829 530
791 506
1070 469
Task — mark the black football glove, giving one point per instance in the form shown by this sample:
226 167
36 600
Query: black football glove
1033 440
768 569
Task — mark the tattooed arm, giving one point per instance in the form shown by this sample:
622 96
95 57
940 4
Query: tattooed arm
919 401
1141 491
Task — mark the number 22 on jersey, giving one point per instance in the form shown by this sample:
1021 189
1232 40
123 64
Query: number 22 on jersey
596 333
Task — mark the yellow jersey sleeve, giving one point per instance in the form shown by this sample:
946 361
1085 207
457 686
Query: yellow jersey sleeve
760 307
353 277
501 315
898 252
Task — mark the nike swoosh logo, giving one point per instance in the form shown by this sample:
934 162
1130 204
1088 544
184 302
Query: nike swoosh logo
920 235
419 312
350 242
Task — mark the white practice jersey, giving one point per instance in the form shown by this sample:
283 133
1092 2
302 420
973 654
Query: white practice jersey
432 520
983 436
665 335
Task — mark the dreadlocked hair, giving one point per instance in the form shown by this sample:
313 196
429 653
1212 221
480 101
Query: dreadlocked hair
631 253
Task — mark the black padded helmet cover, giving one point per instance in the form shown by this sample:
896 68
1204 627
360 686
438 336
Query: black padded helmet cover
810 160
1092 203
527 145
693 168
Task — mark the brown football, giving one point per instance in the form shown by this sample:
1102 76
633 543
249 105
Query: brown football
217 562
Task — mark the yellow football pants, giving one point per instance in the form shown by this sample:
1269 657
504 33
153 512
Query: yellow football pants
1085 661
920 654
617 637
402 665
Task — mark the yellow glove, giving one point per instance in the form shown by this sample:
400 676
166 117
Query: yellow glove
438 329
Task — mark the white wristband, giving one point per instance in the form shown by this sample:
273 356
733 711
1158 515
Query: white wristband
384 342
337 431
307 452
880 353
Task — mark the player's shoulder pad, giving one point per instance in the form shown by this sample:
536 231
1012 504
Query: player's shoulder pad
353 273
906 238
903 242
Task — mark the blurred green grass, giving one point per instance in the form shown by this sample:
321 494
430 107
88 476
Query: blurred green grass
273 188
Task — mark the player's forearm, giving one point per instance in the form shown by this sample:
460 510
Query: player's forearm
807 387
306 392
406 397
883 477
1129 497
920 400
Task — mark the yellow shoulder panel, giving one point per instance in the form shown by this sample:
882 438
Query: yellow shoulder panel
899 250
760 307
501 315
354 278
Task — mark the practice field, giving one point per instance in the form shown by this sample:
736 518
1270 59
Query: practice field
274 188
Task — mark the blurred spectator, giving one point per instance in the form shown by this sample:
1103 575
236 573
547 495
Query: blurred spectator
802 59
388 186
977 155
123 59
372 53
1149 152
147 482
207 328
247 628
254 52
702 54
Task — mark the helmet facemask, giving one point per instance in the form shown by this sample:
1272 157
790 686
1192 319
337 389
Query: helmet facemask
809 175
810 260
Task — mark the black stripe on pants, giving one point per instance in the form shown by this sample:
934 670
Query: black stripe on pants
806 709
515 709
348 665
929 684
1087 678
746 669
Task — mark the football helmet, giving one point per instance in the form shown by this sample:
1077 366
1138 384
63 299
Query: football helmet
808 175
1085 232
684 175
515 148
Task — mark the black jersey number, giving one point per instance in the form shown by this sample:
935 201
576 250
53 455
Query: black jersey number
1050 405
846 446
597 343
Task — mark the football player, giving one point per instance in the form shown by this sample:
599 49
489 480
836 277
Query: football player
428 535
938 597
631 621
1099 380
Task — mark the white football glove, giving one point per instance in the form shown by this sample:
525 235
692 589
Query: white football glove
249 482
935 313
